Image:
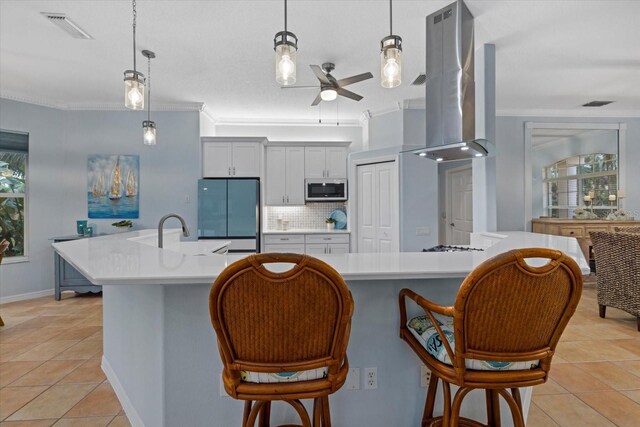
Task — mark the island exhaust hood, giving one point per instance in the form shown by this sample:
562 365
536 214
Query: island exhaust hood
450 87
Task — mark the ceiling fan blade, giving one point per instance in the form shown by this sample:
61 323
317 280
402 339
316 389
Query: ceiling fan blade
348 94
319 74
317 100
354 79
299 87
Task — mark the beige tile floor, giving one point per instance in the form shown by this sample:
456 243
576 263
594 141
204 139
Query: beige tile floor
50 368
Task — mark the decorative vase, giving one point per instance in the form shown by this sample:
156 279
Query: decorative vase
80 226
331 226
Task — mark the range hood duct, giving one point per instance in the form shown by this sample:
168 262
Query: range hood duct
450 87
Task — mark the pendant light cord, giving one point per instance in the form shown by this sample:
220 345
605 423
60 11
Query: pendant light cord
285 16
134 35
390 18
149 91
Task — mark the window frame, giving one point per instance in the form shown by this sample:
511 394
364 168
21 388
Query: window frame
25 197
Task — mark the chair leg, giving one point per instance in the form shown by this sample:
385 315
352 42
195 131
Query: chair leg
457 402
516 412
247 411
495 407
446 413
253 414
515 392
488 396
602 309
302 412
427 416
317 411
265 415
326 412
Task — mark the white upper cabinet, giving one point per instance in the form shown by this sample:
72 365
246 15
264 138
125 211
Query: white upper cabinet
222 159
326 162
285 176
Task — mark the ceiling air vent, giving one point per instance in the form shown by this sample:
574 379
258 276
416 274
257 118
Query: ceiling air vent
596 103
65 23
420 80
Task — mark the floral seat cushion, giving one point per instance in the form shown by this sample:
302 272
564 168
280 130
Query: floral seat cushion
283 377
422 328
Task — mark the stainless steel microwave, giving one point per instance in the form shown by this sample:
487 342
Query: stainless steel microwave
325 190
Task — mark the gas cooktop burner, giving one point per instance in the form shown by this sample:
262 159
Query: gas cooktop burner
443 248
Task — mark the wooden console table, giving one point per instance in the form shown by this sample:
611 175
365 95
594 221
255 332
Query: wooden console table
67 277
578 228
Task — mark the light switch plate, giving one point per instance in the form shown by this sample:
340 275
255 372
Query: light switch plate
353 379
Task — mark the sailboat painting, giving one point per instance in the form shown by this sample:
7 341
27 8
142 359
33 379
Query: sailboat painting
113 186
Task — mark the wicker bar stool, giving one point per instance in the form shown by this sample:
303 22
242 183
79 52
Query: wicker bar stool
500 334
4 244
617 271
282 336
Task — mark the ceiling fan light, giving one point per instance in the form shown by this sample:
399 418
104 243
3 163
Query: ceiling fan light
391 61
133 90
149 132
286 47
328 94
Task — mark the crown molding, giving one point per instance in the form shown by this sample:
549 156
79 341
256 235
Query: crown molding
96 106
575 113
235 121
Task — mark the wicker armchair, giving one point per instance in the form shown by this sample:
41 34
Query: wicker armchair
4 244
501 334
282 336
618 271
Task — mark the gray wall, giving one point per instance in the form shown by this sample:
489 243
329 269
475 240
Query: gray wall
386 130
59 142
510 165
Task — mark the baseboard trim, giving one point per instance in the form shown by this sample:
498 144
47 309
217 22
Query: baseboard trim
28 295
127 406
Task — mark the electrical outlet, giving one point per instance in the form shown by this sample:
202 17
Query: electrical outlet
370 378
423 231
425 376
353 379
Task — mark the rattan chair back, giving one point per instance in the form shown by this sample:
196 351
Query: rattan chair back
509 310
627 229
273 322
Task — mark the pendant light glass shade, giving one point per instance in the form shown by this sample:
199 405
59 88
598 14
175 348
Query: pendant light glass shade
149 132
391 62
133 90
285 44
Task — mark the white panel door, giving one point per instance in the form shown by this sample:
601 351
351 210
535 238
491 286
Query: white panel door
378 207
276 176
461 207
314 162
387 207
366 209
246 160
294 194
315 249
336 162
216 160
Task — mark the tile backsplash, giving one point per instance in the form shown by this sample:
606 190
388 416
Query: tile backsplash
311 215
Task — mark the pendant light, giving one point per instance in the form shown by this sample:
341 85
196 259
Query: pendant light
285 44
148 126
391 56
133 80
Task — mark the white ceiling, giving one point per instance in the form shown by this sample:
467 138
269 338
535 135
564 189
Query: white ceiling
551 55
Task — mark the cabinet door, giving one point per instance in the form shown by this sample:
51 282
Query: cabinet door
276 176
216 160
246 160
314 162
294 249
338 248
295 175
336 162
315 249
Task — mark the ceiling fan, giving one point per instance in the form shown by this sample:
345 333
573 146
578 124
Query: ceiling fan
330 88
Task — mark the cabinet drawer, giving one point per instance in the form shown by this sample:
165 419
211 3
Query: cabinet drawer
572 231
327 238
284 239
296 249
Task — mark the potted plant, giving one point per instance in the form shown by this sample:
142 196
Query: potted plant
122 226
331 223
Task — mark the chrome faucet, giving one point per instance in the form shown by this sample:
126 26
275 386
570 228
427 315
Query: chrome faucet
185 229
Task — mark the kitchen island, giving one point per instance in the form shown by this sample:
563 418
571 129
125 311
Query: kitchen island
160 351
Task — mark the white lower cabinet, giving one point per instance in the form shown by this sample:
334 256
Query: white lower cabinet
312 244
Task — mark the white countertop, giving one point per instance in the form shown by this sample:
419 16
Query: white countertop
130 258
306 231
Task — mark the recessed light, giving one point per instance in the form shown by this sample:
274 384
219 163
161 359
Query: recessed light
478 154
422 154
439 159
465 148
